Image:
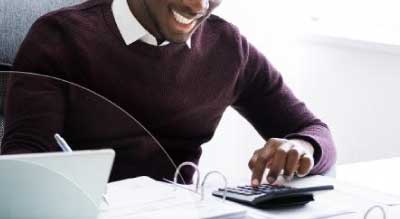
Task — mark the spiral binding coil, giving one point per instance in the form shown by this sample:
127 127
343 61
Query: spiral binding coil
175 182
375 207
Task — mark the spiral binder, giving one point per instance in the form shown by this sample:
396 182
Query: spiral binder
175 182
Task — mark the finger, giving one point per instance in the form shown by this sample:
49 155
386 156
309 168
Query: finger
306 163
278 162
258 172
292 160
288 178
269 163
258 167
252 161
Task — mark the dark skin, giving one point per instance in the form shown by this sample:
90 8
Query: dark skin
159 17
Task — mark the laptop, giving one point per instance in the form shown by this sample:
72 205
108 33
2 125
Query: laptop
54 185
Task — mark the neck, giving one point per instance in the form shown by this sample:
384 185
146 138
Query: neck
142 13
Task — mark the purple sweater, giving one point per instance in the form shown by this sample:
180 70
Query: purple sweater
178 94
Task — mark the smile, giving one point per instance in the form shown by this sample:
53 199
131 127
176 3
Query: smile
182 19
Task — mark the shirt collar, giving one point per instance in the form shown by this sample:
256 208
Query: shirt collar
130 28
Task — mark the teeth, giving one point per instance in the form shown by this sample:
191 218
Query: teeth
181 19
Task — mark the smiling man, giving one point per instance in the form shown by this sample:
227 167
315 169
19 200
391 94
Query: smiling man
175 68
174 21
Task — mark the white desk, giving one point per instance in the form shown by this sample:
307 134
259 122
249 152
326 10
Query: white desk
381 175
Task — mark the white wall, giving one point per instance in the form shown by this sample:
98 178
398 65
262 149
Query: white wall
352 85
356 90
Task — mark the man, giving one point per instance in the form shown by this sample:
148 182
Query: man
175 68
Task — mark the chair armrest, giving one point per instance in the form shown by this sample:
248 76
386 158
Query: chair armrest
5 67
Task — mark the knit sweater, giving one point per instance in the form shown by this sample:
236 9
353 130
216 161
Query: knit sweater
178 94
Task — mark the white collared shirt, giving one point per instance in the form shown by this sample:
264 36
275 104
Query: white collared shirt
130 28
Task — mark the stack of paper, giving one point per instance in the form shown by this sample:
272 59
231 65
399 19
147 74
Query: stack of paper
145 198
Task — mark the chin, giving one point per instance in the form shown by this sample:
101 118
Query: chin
175 37
178 39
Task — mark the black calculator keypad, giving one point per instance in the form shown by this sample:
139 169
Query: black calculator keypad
270 196
262 189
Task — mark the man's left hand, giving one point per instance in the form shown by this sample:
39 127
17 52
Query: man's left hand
292 156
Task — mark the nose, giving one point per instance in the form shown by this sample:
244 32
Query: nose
197 6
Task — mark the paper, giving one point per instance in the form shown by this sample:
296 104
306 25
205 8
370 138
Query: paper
344 189
144 198
309 211
344 201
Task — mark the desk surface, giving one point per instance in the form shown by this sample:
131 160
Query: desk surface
380 175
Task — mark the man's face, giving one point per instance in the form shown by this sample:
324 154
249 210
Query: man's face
176 20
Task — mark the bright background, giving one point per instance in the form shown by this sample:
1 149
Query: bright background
342 57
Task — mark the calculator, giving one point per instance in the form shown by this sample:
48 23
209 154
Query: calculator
268 196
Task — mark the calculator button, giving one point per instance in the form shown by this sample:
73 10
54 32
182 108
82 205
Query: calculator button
263 189
247 193
244 187
233 190
227 189
257 192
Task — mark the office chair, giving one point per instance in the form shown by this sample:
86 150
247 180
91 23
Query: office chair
16 17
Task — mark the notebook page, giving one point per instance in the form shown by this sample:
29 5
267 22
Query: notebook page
143 197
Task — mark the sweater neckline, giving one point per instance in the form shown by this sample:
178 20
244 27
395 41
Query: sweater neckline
112 26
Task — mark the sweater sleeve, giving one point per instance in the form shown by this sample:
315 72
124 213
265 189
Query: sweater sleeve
271 107
35 103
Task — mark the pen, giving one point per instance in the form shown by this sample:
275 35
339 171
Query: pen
66 148
62 143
